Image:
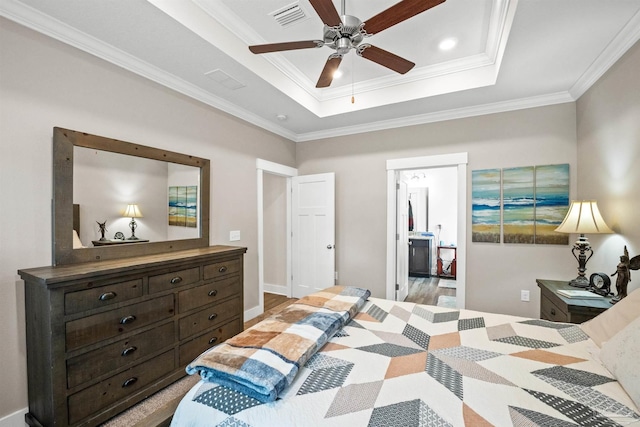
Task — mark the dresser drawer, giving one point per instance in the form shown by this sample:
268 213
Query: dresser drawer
101 296
197 346
95 363
550 311
207 294
92 399
219 269
92 329
209 317
163 282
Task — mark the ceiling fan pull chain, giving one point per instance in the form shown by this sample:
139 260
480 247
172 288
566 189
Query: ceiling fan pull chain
353 71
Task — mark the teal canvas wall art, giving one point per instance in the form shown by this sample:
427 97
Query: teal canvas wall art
485 206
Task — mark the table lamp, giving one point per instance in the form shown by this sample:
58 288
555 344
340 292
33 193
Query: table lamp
583 218
133 212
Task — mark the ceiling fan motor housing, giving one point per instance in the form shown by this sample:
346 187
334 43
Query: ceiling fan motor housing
345 36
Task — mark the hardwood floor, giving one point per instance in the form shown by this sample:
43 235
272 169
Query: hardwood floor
273 303
425 290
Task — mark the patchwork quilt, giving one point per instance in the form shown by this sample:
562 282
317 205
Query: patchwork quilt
405 364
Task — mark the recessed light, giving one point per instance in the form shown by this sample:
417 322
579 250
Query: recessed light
281 117
337 74
448 43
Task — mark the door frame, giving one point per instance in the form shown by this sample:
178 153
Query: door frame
265 166
458 160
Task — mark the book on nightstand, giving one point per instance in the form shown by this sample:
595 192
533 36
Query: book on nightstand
570 293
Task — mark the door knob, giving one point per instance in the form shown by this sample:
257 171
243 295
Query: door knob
329 246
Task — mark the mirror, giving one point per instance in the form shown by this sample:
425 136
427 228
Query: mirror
95 178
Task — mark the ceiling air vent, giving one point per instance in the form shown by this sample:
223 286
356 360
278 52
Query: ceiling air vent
289 15
224 79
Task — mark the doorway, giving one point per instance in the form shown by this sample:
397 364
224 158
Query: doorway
458 166
296 216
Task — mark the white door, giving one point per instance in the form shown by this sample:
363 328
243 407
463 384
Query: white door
402 241
313 233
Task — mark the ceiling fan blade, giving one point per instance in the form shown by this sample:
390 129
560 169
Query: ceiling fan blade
277 47
397 13
327 12
384 58
330 67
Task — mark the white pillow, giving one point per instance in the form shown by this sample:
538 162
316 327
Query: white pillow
620 356
77 243
608 323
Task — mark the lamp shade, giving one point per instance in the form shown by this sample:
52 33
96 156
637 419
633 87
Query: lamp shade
584 217
132 211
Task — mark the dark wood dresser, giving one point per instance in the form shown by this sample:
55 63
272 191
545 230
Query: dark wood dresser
558 308
102 336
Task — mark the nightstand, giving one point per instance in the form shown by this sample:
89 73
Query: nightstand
558 308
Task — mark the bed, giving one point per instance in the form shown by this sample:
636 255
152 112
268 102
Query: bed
405 364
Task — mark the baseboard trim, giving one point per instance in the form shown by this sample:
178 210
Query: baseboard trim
275 289
14 420
248 315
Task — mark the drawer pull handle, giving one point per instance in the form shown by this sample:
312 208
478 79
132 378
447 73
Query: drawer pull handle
127 319
213 340
222 269
107 296
553 311
129 350
176 280
131 381
213 293
213 316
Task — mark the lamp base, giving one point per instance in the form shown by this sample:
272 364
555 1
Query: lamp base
579 282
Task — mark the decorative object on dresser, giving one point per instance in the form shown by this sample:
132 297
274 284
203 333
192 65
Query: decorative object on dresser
600 283
623 271
102 336
103 229
132 211
583 217
558 308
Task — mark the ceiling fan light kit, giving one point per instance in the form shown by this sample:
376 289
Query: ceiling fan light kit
346 32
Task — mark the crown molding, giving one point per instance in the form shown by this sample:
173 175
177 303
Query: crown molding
37 21
623 41
440 116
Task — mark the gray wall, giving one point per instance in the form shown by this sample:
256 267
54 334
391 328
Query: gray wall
44 84
608 123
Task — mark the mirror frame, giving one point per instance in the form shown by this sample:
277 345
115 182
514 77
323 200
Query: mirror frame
64 140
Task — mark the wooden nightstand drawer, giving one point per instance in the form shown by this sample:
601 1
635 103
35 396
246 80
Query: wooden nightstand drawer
98 362
209 317
207 294
101 296
550 311
90 400
558 308
164 282
98 327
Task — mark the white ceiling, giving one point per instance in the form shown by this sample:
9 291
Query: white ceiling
511 54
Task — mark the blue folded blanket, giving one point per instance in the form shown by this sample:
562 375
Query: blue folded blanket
263 360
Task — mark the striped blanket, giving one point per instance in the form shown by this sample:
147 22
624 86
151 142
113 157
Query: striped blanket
263 360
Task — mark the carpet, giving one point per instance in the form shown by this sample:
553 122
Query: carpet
447 283
447 301
137 414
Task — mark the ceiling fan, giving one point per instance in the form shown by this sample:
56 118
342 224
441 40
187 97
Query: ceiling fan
346 32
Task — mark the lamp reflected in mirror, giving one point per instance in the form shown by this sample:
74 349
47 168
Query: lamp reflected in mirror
132 211
583 218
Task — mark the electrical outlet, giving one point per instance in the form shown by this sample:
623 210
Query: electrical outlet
234 235
524 295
